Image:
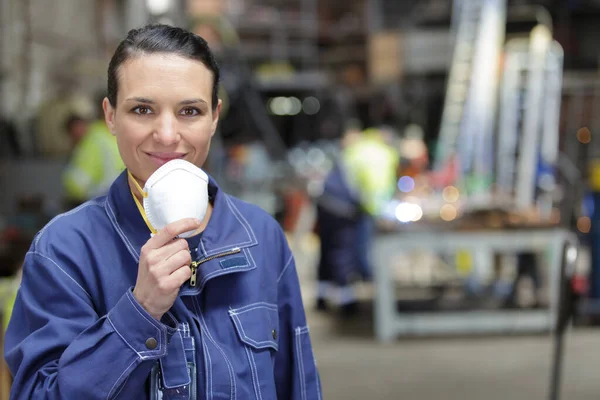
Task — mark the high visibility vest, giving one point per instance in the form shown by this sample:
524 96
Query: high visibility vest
594 173
371 166
9 295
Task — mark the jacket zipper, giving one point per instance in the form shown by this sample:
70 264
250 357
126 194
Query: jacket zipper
195 264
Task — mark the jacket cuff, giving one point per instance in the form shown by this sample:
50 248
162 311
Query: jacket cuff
143 334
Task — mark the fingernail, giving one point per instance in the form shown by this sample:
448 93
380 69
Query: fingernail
198 222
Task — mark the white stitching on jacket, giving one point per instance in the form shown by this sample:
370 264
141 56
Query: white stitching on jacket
63 271
117 381
209 364
122 338
300 363
113 219
233 384
259 304
95 202
285 267
254 373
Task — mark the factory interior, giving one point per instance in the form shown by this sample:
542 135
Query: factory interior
478 277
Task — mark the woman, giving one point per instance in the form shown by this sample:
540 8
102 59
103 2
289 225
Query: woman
109 308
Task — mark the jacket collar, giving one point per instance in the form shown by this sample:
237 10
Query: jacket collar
227 228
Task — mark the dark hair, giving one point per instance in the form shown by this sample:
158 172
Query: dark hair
160 38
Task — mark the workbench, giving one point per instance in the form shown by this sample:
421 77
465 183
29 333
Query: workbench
390 324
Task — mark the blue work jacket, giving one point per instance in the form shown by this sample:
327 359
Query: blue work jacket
338 198
239 332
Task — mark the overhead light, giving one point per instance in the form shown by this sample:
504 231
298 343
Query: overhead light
448 212
406 184
158 7
286 105
295 106
584 224
315 156
408 212
584 135
311 105
541 37
450 194
571 254
278 105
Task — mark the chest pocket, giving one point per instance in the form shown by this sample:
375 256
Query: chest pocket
257 327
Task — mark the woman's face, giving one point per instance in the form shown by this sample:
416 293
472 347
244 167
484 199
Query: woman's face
163 112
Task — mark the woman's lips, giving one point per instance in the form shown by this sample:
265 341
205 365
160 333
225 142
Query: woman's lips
163 158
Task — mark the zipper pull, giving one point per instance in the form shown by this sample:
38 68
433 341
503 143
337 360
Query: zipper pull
194 268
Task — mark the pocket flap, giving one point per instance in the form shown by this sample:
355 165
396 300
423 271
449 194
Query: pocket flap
257 325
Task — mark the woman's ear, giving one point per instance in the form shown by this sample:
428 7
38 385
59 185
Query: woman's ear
216 114
109 115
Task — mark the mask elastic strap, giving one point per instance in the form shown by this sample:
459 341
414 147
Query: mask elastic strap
138 204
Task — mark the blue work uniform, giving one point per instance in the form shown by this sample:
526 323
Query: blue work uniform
338 215
355 191
238 332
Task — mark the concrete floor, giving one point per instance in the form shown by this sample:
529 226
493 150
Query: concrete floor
354 366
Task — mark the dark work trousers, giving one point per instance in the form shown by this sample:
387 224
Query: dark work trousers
595 247
338 263
366 227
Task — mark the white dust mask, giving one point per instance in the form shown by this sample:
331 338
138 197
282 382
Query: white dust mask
177 190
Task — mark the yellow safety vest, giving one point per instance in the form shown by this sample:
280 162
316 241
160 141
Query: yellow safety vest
594 172
371 166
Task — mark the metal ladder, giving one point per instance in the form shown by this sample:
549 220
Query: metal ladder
529 123
467 125
469 16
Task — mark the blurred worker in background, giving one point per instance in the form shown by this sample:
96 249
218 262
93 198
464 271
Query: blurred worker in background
95 162
355 191
76 128
50 127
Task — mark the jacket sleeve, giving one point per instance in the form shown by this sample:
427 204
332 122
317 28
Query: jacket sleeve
58 347
296 372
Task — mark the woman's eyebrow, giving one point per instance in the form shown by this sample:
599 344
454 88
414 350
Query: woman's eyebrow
150 101
141 100
192 101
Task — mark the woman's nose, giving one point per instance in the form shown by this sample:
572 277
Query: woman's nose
166 130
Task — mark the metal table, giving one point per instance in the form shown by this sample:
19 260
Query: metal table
389 323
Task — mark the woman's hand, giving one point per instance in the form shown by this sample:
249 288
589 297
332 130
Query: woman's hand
164 267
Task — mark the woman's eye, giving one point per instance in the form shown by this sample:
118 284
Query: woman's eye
142 110
190 112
